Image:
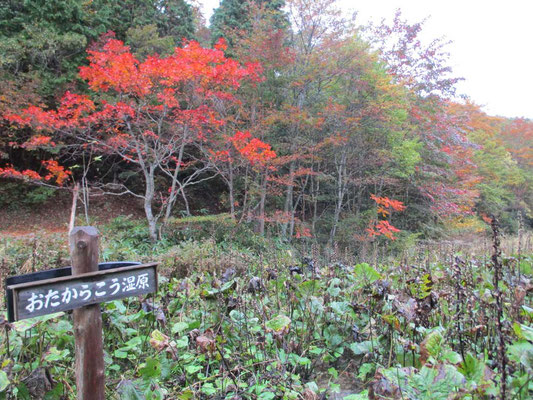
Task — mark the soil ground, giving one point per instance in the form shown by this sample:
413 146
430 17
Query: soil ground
53 216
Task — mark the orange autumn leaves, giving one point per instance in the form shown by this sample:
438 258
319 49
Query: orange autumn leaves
242 146
116 68
180 92
386 205
254 150
55 172
384 208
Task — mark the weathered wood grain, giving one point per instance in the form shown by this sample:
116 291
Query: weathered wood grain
89 348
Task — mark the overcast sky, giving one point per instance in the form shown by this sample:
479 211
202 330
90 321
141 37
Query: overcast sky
492 44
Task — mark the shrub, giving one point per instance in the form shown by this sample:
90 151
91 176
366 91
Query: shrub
203 257
14 195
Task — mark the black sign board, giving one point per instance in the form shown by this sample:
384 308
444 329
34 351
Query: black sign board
32 298
50 274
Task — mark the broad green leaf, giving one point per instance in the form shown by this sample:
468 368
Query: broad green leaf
117 305
309 287
472 368
267 396
120 354
21 392
179 327
158 335
4 381
433 343
225 288
360 396
333 288
187 395
364 370
452 357
191 369
53 354
334 387
365 274
56 393
340 307
182 342
518 348
317 305
129 392
523 331
361 348
134 342
316 350
208 389
528 311
296 359
151 369
334 340
24 325
527 360
279 323
237 316
195 325
434 383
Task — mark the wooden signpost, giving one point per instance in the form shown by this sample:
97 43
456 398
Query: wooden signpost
81 289
38 298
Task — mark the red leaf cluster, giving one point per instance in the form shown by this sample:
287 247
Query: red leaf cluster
115 68
55 173
382 228
254 150
385 206
156 107
10 172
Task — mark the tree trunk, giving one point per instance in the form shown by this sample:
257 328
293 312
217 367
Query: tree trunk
288 209
173 190
231 194
295 207
340 192
262 204
148 200
315 190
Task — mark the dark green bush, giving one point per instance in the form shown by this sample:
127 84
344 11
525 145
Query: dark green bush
14 195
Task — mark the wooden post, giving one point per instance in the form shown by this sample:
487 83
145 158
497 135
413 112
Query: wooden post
90 372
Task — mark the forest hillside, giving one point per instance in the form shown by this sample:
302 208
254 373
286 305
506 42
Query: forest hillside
331 217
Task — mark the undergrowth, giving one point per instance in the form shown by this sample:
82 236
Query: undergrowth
229 322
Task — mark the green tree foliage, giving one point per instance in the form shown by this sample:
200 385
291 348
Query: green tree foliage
502 180
175 19
43 43
352 112
46 40
145 41
235 15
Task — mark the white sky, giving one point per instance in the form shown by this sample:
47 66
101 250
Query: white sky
492 44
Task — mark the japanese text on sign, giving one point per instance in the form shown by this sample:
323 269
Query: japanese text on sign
86 292
73 292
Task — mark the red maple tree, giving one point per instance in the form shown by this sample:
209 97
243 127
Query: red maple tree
158 115
385 207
